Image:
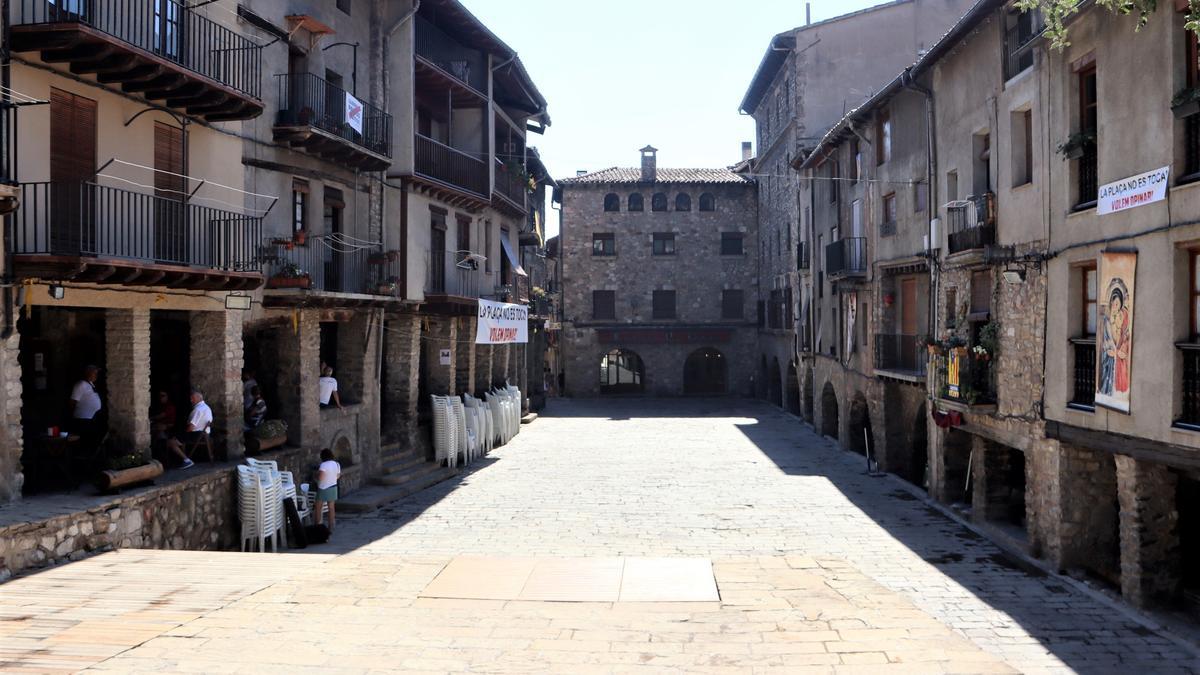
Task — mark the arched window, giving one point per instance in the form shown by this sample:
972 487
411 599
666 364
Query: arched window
658 202
636 203
708 202
683 202
612 202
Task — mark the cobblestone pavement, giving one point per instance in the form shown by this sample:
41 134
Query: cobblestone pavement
820 568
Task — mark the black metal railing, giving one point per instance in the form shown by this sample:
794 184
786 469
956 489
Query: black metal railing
164 28
971 224
329 263
86 219
1191 148
802 256
1088 177
846 257
1018 43
450 165
308 100
1189 413
464 64
1083 389
511 182
901 353
458 273
959 377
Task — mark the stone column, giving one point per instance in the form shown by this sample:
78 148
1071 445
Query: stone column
217 360
442 334
502 366
1149 532
11 433
403 377
464 372
483 368
127 345
358 342
299 360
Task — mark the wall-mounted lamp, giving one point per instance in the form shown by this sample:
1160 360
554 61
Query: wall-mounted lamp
57 292
1013 276
237 301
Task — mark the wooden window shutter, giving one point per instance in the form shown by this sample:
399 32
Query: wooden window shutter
981 293
169 161
300 185
72 137
334 198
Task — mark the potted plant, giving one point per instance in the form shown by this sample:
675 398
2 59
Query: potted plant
389 286
269 434
989 339
300 237
1186 102
285 243
289 276
934 345
128 468
980 353
1076 144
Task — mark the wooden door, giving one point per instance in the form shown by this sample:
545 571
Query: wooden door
908 307
170 187
72 167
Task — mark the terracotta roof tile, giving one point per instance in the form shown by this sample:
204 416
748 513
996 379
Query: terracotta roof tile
633 175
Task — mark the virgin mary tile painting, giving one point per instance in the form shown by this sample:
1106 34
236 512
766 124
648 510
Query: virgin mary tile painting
1114 348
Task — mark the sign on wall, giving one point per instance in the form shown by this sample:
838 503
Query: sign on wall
1132 192
444 357
1114 338
851 318
502 323
354 113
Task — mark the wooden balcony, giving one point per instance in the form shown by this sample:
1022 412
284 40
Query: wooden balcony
94 233
313 118
512 185
450 167
158 49
846 258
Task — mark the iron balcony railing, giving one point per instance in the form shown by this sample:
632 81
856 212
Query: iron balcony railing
1191 148
1083 389
1189 413
1019 41
511 182
85 219
959 377
165 28
451 166
1088 177
901 353
329 265
971 223
460 274
846 257
308 100
466 65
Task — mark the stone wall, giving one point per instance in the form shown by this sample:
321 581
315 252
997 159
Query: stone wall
402 381
197 513
11 433
216 364
127 342
1149 536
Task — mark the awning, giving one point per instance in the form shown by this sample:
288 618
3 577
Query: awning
512 259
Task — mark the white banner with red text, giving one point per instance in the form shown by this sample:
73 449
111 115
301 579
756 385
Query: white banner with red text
502 323
1128 193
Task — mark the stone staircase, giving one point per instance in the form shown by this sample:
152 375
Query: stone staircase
403 473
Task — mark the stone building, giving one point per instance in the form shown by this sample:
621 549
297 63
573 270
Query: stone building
808 77
659 271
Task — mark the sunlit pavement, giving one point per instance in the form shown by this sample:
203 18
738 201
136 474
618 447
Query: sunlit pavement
820 568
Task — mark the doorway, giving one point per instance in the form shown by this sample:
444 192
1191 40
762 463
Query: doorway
704 373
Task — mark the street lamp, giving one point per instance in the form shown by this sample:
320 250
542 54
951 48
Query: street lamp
354 71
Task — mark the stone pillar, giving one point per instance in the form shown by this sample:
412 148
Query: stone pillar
464 372
1149 533
442 334
1075 509
403 378
11 433
299 361
483 368
357 375
936 459
217 360
502 370
127 345
1044 505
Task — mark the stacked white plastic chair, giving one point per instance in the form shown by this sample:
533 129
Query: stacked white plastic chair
468 436
258 497
483 422
281 486
445 431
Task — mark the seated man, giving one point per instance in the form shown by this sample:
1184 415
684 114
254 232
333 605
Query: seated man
256 412
328 388
199 423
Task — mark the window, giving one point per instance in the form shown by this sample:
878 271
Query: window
344 5
664 243
732 304
612 203
487 246
1191 123
506 270
982 144
604 243
683 202
952 186
856 220
920 197
658 202
464 233
1019 30
855 160
636 203
664 305
1088 118
1194 294
708 202
1088 279
299 204
951 308
604 305
981 293
1022 146
883 137
731 243
832 184
888 224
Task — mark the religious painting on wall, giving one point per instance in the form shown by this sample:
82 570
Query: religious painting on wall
1114 337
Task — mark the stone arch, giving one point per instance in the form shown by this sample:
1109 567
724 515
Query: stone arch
708 202
858 429
658 201
775 383
760 387
810 393
622 372
705 373
829 411
792 389
636 202
612 202
683 202
343 449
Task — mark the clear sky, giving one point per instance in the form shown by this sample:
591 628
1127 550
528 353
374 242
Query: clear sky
620 74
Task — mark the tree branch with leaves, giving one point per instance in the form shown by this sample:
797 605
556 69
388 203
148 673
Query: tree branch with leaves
1057 12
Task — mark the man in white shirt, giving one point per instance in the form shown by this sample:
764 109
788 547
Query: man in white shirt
198 427
85 407
328 389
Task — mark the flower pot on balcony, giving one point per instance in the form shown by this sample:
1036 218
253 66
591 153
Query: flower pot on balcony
300 237
289 282
934 350
385 289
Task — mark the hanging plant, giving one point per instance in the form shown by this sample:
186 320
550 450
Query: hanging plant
1186 102
1076 144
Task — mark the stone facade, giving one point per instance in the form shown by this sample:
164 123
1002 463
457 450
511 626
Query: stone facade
688 212
11 433
128 345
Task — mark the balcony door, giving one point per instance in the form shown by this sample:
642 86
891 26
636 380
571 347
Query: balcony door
168 29
335 263
72 168
171 243
68 10
908 323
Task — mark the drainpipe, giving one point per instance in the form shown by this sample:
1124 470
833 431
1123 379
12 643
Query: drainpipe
10 323
931 175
